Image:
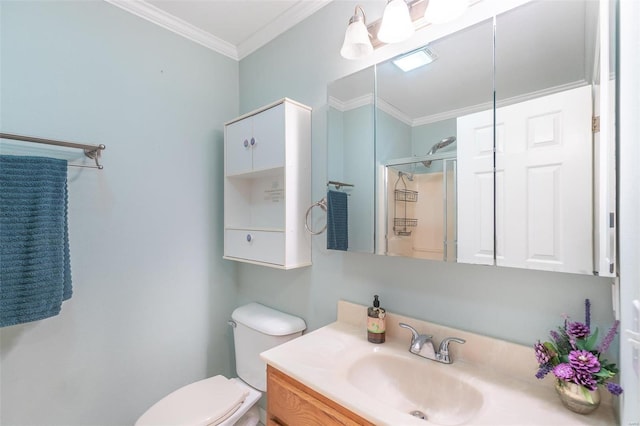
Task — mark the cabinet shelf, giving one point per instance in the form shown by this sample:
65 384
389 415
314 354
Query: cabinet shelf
257 174
406 195
253 228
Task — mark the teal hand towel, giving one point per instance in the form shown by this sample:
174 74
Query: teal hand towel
35 271
337 221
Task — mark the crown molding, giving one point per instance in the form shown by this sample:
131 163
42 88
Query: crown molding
284 22
176 25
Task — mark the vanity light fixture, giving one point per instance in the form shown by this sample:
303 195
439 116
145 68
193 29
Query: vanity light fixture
356 43
415 59
443 11
396 23
401 18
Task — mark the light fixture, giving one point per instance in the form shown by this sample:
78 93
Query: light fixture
443 11
356 39
396 22
415 59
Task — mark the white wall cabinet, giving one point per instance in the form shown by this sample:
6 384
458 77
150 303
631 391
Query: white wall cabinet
267 186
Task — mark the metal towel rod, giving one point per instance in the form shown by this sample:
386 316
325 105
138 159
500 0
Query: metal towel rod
338 184
91 151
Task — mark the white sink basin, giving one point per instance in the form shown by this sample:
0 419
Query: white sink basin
409 385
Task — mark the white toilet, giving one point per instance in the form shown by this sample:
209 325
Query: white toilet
221 401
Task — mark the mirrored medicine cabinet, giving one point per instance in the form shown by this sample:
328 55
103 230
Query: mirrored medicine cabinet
498 152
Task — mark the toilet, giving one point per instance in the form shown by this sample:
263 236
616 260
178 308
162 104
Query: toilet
222 401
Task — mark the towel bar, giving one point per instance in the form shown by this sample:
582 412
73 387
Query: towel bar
91 151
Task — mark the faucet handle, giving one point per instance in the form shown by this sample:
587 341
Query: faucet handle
443 350
414 332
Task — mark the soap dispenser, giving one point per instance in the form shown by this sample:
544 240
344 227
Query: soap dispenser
375 322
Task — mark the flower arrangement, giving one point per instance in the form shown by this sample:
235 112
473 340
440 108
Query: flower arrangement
573 355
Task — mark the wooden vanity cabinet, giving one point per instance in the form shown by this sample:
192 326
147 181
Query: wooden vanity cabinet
290 403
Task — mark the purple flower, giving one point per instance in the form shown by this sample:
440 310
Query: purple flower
587 313
564 371
584 361
585 379
604 345
542 354
614 388
578 330
544 370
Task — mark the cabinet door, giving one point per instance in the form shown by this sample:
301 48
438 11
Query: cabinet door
258 246
290 403
238 147
269 138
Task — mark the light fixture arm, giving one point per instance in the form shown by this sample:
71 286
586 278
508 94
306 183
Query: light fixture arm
356 18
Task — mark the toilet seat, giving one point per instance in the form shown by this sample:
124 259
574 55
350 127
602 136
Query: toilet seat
203 403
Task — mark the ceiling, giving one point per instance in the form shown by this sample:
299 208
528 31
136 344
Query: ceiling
234 28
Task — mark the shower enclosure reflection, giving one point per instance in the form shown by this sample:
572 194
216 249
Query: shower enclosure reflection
421 208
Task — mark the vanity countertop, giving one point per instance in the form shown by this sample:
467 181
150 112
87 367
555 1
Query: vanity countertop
502 371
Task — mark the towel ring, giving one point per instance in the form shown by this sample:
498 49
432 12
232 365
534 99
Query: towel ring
323 205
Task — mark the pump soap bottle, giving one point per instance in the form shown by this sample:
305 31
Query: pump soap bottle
375 322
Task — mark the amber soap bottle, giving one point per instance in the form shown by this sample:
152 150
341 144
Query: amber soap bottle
375 322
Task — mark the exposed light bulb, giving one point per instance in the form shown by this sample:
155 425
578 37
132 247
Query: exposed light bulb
396 23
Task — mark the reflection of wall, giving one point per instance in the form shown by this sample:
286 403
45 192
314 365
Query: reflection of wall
423 137
335 148
351 136
393 137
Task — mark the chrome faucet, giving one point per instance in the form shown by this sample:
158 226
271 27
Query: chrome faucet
422 345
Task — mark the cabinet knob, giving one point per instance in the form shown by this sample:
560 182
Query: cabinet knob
246 143
253 141
249 238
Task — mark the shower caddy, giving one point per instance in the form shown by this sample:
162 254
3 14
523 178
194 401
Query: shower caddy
402 225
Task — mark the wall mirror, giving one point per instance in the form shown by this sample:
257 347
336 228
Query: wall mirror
548 164
417 143
351 154
519 180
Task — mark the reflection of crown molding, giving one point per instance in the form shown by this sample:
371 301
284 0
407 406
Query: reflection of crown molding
367 99
394 112
167 21
350 104
540 93
421 121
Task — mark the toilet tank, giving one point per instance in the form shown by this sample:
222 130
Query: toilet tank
258 328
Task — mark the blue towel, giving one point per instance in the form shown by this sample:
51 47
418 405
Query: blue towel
337 221
35 271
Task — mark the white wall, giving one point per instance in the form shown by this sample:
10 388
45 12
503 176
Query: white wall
151 292
516 305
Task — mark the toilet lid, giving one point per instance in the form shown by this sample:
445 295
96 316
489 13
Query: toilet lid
201 403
